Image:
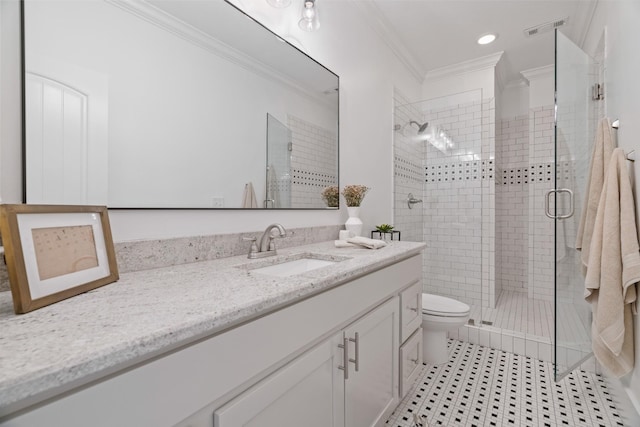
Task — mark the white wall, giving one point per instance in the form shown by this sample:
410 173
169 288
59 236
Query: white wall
368 72
514 101
461 82
620 18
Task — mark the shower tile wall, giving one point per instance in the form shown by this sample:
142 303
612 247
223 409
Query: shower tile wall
525 236
459 215
512 204
541 178
408 172
314 161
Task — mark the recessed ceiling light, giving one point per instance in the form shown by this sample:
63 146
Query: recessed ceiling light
487 38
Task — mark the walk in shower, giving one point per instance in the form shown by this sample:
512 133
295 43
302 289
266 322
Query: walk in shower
490 243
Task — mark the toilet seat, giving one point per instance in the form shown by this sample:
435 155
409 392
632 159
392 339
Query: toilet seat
436 305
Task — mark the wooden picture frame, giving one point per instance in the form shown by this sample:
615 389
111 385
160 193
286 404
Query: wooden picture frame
54 252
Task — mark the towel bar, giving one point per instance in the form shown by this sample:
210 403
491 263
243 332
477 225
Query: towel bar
631 155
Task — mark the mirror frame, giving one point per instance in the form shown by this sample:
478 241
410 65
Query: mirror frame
260 209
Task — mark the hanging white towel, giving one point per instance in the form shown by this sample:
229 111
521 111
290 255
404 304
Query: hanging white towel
249 200
613 270
600 158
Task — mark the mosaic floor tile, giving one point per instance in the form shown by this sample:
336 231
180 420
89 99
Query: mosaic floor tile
481 386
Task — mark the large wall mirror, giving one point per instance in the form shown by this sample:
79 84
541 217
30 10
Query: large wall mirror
172 104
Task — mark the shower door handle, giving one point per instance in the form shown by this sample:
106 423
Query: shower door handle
547 203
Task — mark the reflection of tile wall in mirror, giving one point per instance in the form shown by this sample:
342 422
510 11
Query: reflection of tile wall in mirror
314 162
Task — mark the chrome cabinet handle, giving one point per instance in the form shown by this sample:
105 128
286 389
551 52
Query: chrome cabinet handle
548 213
415 361
414 309
356 361
345 357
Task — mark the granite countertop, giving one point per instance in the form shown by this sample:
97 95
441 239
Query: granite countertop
146 313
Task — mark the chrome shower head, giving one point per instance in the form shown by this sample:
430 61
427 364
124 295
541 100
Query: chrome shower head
421 127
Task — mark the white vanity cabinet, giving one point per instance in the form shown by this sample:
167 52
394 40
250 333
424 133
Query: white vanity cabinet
328 386
410 362
279 369
411 309
309 391
411 336
371 389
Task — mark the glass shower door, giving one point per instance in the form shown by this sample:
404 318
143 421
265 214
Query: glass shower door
278 179
575 125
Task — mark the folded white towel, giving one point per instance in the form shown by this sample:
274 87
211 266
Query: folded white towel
367 243
344 244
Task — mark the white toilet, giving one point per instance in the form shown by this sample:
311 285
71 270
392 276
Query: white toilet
440 315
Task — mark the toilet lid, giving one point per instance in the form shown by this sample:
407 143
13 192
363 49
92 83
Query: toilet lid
442 306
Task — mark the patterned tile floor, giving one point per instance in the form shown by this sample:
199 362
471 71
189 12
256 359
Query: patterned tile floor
481 386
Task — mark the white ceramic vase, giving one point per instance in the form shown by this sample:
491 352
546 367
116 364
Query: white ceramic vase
354 224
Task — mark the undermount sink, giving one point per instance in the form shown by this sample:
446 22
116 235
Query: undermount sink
290 267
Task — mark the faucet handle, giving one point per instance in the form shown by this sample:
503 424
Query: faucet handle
254 248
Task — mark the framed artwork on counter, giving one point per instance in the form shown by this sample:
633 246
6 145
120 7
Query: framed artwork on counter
54 252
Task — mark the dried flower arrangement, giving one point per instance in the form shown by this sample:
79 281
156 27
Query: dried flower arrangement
331 196
353 194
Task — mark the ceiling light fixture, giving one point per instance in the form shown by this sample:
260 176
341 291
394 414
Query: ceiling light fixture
487 38
309 21
279 3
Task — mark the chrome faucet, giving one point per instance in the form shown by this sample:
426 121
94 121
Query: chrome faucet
267 246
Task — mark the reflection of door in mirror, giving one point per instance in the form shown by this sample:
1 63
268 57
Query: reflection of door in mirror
279 146
65 123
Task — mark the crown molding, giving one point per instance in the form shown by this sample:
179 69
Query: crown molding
586 20
482 63
380 25
538 72
173 25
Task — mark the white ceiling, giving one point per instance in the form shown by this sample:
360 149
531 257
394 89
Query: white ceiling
431 34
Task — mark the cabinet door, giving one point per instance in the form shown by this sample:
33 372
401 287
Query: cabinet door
307 392
410 362
411 311
371 389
